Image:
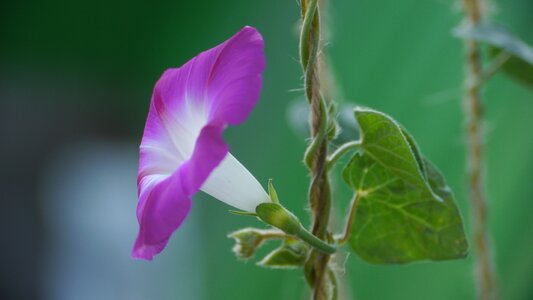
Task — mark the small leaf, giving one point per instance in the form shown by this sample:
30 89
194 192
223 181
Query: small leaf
290 255
520 65
397 222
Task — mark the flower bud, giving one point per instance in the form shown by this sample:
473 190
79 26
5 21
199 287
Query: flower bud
247 241
276 215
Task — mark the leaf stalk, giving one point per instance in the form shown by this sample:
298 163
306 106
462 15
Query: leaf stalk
341 151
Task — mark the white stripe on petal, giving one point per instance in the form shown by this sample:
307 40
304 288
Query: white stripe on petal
184 126
233 184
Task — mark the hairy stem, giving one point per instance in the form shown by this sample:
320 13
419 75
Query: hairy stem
486 282
316 156
315 242
339 152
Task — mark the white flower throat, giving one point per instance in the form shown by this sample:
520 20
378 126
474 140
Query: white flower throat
230 182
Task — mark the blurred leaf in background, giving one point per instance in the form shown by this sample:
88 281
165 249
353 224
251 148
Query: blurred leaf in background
517 56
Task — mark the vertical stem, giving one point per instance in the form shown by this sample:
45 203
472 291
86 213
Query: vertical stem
486 283
319 192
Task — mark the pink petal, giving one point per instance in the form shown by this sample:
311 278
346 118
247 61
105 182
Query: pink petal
182 142
236 80
165 204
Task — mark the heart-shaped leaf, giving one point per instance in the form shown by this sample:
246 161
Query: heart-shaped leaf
405 211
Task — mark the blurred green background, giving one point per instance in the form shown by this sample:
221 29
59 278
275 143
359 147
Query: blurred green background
76 79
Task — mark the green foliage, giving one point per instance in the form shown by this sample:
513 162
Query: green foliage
290 255
405 212
520 64
384 140
516 67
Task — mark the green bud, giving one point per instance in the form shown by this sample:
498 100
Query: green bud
276 215
247 241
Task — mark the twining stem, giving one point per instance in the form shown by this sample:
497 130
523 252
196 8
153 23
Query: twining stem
318 138
349 221
486 281
316 157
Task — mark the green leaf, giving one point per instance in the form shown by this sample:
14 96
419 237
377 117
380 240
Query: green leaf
516 68
290 255
414 148
384 140
405 211
520 64
397 222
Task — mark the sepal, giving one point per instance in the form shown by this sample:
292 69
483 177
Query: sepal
272 192
278 216
248 240
290 255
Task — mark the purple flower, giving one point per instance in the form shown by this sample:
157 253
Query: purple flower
182 150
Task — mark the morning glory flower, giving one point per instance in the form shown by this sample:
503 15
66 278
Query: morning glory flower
182 149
